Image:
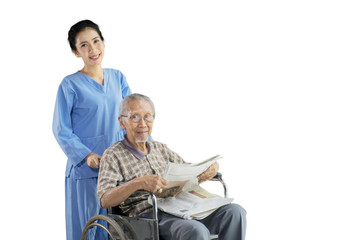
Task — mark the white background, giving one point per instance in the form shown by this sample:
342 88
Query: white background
272 86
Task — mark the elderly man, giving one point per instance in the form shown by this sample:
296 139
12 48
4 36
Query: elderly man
140 164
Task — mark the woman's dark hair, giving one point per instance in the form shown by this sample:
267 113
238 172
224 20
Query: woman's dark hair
78 27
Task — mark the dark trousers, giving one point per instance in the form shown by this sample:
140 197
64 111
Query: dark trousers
229 222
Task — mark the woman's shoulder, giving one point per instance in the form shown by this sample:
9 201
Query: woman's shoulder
112 71
71 78
115 76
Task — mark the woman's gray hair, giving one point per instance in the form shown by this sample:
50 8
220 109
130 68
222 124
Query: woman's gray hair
133 97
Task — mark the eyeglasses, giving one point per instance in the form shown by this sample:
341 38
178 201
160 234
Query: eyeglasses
137 118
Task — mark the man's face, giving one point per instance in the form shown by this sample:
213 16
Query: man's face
137 131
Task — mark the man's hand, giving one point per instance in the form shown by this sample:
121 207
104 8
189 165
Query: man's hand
208 173
92 159
153 183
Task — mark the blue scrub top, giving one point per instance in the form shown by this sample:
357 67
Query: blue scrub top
86 118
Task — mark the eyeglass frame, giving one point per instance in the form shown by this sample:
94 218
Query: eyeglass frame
129 117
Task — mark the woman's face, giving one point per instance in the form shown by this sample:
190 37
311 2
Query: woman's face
89 47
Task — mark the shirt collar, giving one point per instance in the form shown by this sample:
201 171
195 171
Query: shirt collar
136 152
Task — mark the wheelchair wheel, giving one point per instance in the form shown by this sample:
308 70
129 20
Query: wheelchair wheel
102 227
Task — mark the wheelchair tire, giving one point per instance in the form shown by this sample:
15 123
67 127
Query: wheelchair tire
113 230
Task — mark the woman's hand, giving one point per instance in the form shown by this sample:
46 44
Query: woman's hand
208 173
93 160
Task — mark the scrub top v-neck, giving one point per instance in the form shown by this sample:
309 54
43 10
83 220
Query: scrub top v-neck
95 83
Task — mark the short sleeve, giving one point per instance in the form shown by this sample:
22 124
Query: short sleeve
109 173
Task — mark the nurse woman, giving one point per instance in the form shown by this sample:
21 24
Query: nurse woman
85 123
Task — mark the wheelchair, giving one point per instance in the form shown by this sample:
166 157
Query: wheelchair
115 226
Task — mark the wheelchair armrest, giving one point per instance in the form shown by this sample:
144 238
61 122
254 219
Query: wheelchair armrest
154 204
218 177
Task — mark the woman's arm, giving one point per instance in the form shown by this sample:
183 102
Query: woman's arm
62 128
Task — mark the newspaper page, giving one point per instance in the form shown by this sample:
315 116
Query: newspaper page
187 171
195 204
183 197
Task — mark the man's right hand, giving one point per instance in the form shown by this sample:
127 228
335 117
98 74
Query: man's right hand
153 183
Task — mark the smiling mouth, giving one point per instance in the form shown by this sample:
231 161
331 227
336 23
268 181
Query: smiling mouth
142 132
96 57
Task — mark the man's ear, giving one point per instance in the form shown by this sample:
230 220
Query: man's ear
121 122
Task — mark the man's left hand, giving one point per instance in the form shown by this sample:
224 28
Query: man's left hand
208 173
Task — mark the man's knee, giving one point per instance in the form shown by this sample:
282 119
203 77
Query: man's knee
233 222
197 231
233 212
239 209
192 230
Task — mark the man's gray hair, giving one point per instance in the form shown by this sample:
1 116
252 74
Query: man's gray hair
133 97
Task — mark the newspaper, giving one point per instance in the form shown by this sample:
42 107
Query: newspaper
183 197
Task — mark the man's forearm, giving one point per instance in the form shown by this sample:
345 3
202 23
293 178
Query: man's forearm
119 194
